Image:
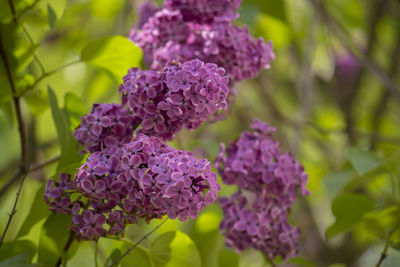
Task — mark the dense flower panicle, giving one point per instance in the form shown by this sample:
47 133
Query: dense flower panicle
105 125
263 226
165 38
269 183
146 10
203 10
255 161
182 95
145 178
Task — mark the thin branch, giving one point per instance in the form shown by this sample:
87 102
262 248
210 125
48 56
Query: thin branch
344 37
381 106
137 243
70 240
47 74
18 175
269 260
13 211
24 164
35 57
26 9
43 164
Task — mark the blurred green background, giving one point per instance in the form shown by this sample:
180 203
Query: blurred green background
331 108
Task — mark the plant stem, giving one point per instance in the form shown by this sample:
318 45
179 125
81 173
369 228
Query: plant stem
70 240
137 243
24 164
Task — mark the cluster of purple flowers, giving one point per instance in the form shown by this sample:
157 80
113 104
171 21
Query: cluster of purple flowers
144 178
189 29
182 95
269 181
106 124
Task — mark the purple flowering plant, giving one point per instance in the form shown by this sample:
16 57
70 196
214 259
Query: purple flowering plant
195 54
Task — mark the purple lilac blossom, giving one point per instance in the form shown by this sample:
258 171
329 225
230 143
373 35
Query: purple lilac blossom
182 95
203 10
269 182
146 10
166 37
145 178
105 123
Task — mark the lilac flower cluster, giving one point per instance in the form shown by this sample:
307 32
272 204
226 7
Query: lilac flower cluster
106 124
257 215
144 178
182 95
190 29
203 10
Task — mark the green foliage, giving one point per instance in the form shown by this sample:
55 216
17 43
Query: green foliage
39 210
53 237
18 261
15 249
69 159
348 210
114 54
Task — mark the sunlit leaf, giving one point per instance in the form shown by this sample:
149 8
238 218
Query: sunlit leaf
18 261
38 211
274 8
53 237
174 249
114 54
69 153
363 161
51 17
16 247
348 210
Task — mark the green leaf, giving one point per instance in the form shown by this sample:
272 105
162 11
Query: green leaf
51 17
273 29
39 210
69 155
113 257
363 161
227 257
378 222
274 8
348 210
335 181
114 54
16 247
139 257
53 237
75 108
174 249
37 101
18 261
299 261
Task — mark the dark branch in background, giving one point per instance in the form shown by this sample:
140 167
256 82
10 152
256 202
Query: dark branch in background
381 107
137 243
362 57
24 164
70 240
18 175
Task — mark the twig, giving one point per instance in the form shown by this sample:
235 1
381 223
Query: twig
47 74
26 9
344 37
70 240
381 107
271 262
137 243
18 175
24 164
43 164
13 211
